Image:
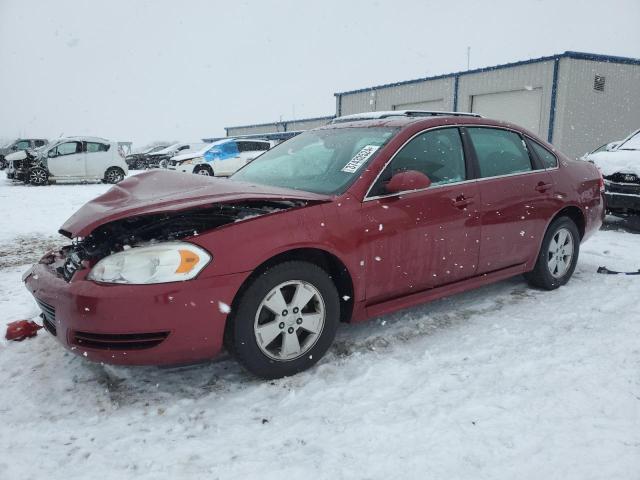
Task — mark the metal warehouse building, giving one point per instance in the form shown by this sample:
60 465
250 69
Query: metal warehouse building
278 130
577 101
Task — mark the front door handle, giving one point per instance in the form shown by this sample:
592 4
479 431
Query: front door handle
543 187
462 201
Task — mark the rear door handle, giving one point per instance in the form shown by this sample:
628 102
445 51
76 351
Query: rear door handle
543 187
462 201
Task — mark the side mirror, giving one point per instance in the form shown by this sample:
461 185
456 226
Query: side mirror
407 181
51 153
612 146
14 147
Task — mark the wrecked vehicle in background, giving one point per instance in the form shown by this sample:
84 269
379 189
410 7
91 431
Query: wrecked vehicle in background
620 167
70 159
221 158
19 145
139 161
160 158
339 224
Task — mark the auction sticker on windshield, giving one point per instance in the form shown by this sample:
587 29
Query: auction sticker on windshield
359 158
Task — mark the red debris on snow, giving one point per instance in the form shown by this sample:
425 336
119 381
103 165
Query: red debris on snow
21 329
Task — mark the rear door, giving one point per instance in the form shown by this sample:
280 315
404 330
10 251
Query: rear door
516 195
67 160
424 238
98 158
228 159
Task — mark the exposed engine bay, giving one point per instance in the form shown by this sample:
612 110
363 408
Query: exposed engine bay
166 226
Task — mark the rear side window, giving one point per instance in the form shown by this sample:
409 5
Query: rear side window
436 153
93 147
252 146
40 143
499 152
547 158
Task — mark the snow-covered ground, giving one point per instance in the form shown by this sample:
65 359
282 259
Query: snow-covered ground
504 382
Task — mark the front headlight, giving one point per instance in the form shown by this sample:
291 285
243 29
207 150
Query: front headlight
160 263
187 162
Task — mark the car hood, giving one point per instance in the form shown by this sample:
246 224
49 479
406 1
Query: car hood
19 155
161 191
617 161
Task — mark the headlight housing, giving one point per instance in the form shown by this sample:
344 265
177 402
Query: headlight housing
187 162
160 263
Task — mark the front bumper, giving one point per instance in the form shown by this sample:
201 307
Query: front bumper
622 196
162 324
182 168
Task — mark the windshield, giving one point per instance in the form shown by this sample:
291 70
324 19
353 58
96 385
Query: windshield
632 144
319 161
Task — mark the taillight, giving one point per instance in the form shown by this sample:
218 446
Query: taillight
601 182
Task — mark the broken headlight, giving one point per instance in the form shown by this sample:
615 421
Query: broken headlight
160 263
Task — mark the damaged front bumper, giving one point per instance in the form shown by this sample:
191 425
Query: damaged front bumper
159 324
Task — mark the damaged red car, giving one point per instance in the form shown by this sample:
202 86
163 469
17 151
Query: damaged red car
360 218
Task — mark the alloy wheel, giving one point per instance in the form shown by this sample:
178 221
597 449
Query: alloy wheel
289 320
560 253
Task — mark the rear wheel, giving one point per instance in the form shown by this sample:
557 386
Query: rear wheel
558 255
38 176
113 175
203 170
285 320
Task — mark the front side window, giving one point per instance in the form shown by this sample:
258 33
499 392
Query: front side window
547 158
323 161
69 148
94 147
436 153
499 152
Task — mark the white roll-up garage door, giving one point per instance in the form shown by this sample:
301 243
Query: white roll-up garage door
521 107
432 105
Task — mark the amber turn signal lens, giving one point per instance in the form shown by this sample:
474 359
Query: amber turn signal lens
188 260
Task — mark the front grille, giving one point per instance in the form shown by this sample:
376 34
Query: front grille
628 189
624 178
119 341
48 316
17 164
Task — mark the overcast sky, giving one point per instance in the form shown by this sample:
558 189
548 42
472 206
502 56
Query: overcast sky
183 70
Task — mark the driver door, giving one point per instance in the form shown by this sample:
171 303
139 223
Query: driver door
67 160
426 238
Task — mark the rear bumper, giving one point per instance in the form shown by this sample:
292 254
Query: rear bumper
163 324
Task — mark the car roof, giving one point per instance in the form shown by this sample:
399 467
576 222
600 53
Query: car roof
82 139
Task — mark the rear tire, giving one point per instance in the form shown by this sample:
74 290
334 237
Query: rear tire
558 255
113 175
274 344
203 170
38 176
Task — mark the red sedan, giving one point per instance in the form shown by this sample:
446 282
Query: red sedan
350 221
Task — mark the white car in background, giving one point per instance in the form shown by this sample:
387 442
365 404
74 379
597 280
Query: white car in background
221 158
620 167
70 159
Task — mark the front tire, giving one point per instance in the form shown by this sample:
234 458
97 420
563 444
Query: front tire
113 175
285 321
203 170
38 176
558 255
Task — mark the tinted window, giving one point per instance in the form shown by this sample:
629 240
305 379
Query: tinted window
40 143
436 153
547 158
499 152
69 148
252 146
93 147
22 145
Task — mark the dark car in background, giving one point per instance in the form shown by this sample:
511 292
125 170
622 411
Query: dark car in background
139 160
19 145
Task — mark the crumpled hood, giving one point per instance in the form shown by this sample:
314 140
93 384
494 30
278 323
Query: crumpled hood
617 161
161 191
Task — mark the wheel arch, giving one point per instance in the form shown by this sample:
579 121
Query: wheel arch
576 214
324 259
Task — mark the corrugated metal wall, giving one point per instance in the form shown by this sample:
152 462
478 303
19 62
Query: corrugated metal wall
390 98
586 118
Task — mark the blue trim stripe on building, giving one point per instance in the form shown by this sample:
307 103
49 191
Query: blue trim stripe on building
567 54
554 94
